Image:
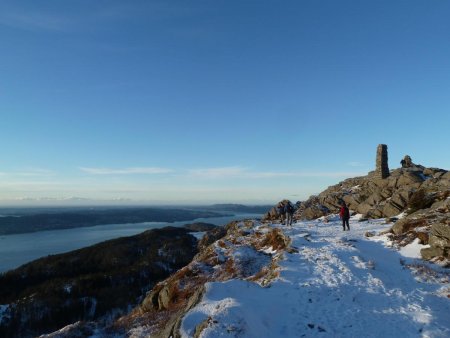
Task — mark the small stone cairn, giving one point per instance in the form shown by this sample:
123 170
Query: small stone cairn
407 162
382 168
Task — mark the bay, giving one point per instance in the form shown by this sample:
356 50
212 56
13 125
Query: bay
19 249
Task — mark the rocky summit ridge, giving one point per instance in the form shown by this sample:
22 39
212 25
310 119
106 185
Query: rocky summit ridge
420 195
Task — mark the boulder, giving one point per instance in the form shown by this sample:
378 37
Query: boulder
440 235
391 209
352 200
386 193
374 199
271 215
393 182
408 178
164 298
404 225
381 183
314 212
397 203
434 172
374 213
363 208
431 252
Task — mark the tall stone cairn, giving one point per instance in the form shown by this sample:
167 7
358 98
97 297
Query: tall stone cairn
382 168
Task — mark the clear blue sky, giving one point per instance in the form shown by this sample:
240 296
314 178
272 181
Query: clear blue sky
216 101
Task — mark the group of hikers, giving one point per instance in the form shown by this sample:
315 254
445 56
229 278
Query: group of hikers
286 211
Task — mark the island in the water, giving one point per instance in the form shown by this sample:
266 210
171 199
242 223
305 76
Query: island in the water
25 220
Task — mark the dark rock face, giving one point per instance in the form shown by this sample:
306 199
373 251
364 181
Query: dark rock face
89 283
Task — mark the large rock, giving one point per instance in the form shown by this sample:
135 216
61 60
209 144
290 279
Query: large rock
440 235
364 208
405 224
273 214
409 177
374 199
314 212
391 209
431 252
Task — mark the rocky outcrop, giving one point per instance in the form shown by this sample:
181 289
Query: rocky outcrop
374 197
439 241
421 193
273 213
241 253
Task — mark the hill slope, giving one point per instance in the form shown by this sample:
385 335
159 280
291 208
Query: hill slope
337 285
265 280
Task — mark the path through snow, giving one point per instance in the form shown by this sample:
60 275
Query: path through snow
339 284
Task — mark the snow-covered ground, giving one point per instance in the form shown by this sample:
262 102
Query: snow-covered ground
338 284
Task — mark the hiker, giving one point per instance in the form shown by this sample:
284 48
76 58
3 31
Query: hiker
281 212
344 214
289 212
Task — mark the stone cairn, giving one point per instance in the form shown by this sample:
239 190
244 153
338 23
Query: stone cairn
407 162
382 168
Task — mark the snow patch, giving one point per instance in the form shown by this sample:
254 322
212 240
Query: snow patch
412 250
338 284
401 215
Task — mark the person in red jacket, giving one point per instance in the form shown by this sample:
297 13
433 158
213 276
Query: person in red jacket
344 214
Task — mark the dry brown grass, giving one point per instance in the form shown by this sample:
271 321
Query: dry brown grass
427 273
423 237
275 239
221 244
229 267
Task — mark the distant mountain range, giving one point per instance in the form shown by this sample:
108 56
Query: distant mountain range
256 209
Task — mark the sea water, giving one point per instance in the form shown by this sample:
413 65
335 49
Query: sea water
19 249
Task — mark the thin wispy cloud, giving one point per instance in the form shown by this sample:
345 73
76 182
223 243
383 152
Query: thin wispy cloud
126 171
33 20
35 172
31 172
224 172
59 19
241 172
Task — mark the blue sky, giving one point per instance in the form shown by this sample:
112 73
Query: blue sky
216 101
